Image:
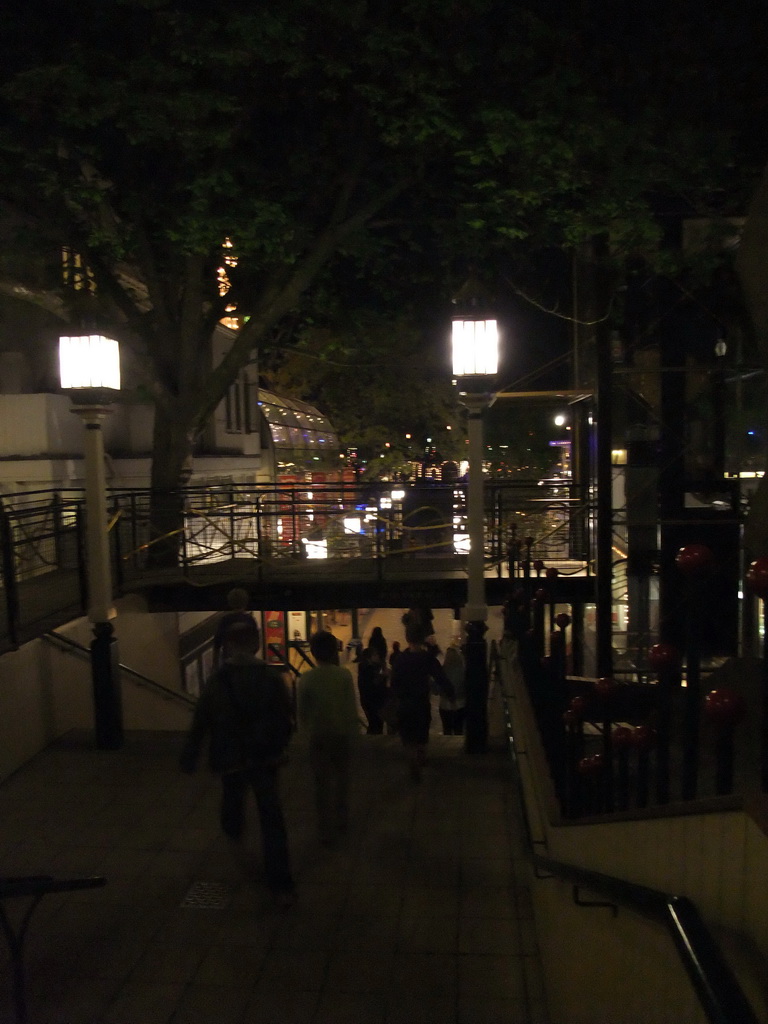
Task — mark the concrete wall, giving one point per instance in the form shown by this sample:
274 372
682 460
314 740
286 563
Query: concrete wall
624 968
46 691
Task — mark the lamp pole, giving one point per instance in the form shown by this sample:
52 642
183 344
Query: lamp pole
475 364
90 370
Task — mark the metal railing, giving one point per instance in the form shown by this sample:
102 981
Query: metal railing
720 995
44 582
34 888
81 651
268 522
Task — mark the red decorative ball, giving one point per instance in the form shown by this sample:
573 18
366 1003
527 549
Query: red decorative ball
552 572
604 687
664 656
622 737
693 558
590 765
538 565
644 737
724 707
541 595
563 619
757 577
577 705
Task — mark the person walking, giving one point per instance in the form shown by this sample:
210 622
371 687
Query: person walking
245 714
415 673
378 643
372 687
328 714
237 602
395 654
453 709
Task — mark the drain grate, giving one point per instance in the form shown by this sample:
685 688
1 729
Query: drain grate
208 895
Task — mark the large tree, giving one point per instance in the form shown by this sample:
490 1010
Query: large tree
316 135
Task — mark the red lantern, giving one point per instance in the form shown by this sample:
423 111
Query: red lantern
644 737
693 558
664 656
563 619
577 705
552 572
604 687
622 737
538 565
590 765
541 595
757 577
724 707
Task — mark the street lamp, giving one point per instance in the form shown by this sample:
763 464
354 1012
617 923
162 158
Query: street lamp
475 364
90 372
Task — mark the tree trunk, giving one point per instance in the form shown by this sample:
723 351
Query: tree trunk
172 448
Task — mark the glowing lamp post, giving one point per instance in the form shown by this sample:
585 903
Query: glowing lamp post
475 364
90 372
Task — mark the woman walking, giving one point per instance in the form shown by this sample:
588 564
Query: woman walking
415 673
378 643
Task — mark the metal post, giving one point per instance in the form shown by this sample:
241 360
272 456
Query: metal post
476 611
604 580
105 671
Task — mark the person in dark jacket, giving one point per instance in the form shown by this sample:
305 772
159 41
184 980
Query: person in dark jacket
372 688
378 643
415 674
245 714
394 654
237 601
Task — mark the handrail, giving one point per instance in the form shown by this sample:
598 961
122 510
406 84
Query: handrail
719 993
34 887
296 646
286 665
75 647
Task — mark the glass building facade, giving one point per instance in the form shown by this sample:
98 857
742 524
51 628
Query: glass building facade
300 434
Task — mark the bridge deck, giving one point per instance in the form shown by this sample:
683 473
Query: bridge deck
340 583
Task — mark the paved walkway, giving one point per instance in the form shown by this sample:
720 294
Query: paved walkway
422 916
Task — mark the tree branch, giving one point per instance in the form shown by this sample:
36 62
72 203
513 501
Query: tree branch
280 295
40 297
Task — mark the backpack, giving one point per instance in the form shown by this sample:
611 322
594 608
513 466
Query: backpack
256 732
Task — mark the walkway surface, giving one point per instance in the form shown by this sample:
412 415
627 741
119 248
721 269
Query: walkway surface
423 916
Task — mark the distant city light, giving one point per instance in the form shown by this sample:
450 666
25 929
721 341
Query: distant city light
315 548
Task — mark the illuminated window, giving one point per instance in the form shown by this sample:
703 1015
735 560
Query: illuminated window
74 272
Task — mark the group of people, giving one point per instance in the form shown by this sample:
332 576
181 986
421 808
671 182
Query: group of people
379 683
246 716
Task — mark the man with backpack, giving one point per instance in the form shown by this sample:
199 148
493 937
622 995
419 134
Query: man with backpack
245 713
